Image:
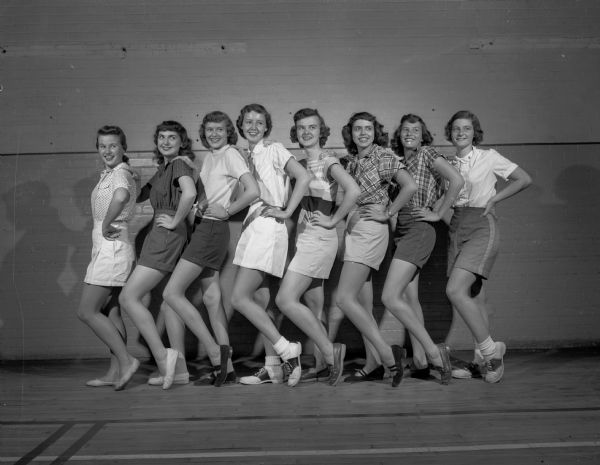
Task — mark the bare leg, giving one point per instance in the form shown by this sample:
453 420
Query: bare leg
458 290
142 281
398 277
352 278
292 288
412 298
93 298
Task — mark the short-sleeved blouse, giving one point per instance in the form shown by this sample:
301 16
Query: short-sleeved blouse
322 188
373 173
110 180
479 169
267 165
165 192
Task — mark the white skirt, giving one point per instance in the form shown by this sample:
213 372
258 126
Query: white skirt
112 261
263 246
316 248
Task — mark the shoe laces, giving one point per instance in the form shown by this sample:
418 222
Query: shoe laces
260 372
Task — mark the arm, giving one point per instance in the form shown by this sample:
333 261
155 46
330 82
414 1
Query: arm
249 194
188 195
297 172
119 199
518 180
144 193
351 193
441 209
408 187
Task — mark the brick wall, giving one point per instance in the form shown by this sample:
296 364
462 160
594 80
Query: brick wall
528 69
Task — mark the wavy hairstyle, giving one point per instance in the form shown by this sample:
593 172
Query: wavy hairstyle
186 143
465 114
396 142
324 130
381 137
108 130
218 117
258 108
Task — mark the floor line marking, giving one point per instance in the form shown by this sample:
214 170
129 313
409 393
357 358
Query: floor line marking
323 452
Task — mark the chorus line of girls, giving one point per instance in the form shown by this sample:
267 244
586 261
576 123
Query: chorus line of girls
410 184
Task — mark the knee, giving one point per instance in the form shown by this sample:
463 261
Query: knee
454 292
168 296
211 299
282 301
342 301
237 301
83 315
388 299
124 299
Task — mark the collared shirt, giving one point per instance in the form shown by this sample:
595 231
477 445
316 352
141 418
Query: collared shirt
111 180
479 169
429 182
221 170
267 164
373 173
165 192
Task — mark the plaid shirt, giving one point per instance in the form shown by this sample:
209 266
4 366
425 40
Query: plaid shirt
373 173
429 182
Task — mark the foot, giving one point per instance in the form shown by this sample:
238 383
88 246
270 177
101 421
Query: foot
156 379
474 369
495 366
209 379
361 375
397 370
336 370
100 382
267 374
420 373
315 374
127 375
445 368
292 367
225 356
170 362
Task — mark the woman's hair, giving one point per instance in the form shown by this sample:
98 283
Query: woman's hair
324 130
114 131
258 108
465 114
218 117
396 142
381 137
186 142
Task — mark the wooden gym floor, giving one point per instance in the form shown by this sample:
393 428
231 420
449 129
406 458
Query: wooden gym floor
545 411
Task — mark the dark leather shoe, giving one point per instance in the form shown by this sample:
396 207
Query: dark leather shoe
397 370
361 375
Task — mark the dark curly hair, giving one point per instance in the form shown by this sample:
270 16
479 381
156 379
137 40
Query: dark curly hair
381 137
218 117
186 142
396 142
114 131
324 130
258 108
465 114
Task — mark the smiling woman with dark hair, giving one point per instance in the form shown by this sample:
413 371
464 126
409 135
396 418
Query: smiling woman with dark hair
172 191
373 167
113 256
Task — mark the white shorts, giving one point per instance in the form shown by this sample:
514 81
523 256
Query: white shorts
112 261
263 246
316 248
366 241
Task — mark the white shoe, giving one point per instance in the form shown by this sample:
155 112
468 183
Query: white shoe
292 367
267 374
170 364
495 366
156 379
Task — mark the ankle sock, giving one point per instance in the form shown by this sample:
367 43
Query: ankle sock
487 348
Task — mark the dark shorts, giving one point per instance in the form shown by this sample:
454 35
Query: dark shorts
474 241
208 245
162 247
414 240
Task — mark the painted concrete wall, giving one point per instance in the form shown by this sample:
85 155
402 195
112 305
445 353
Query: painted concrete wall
529 69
